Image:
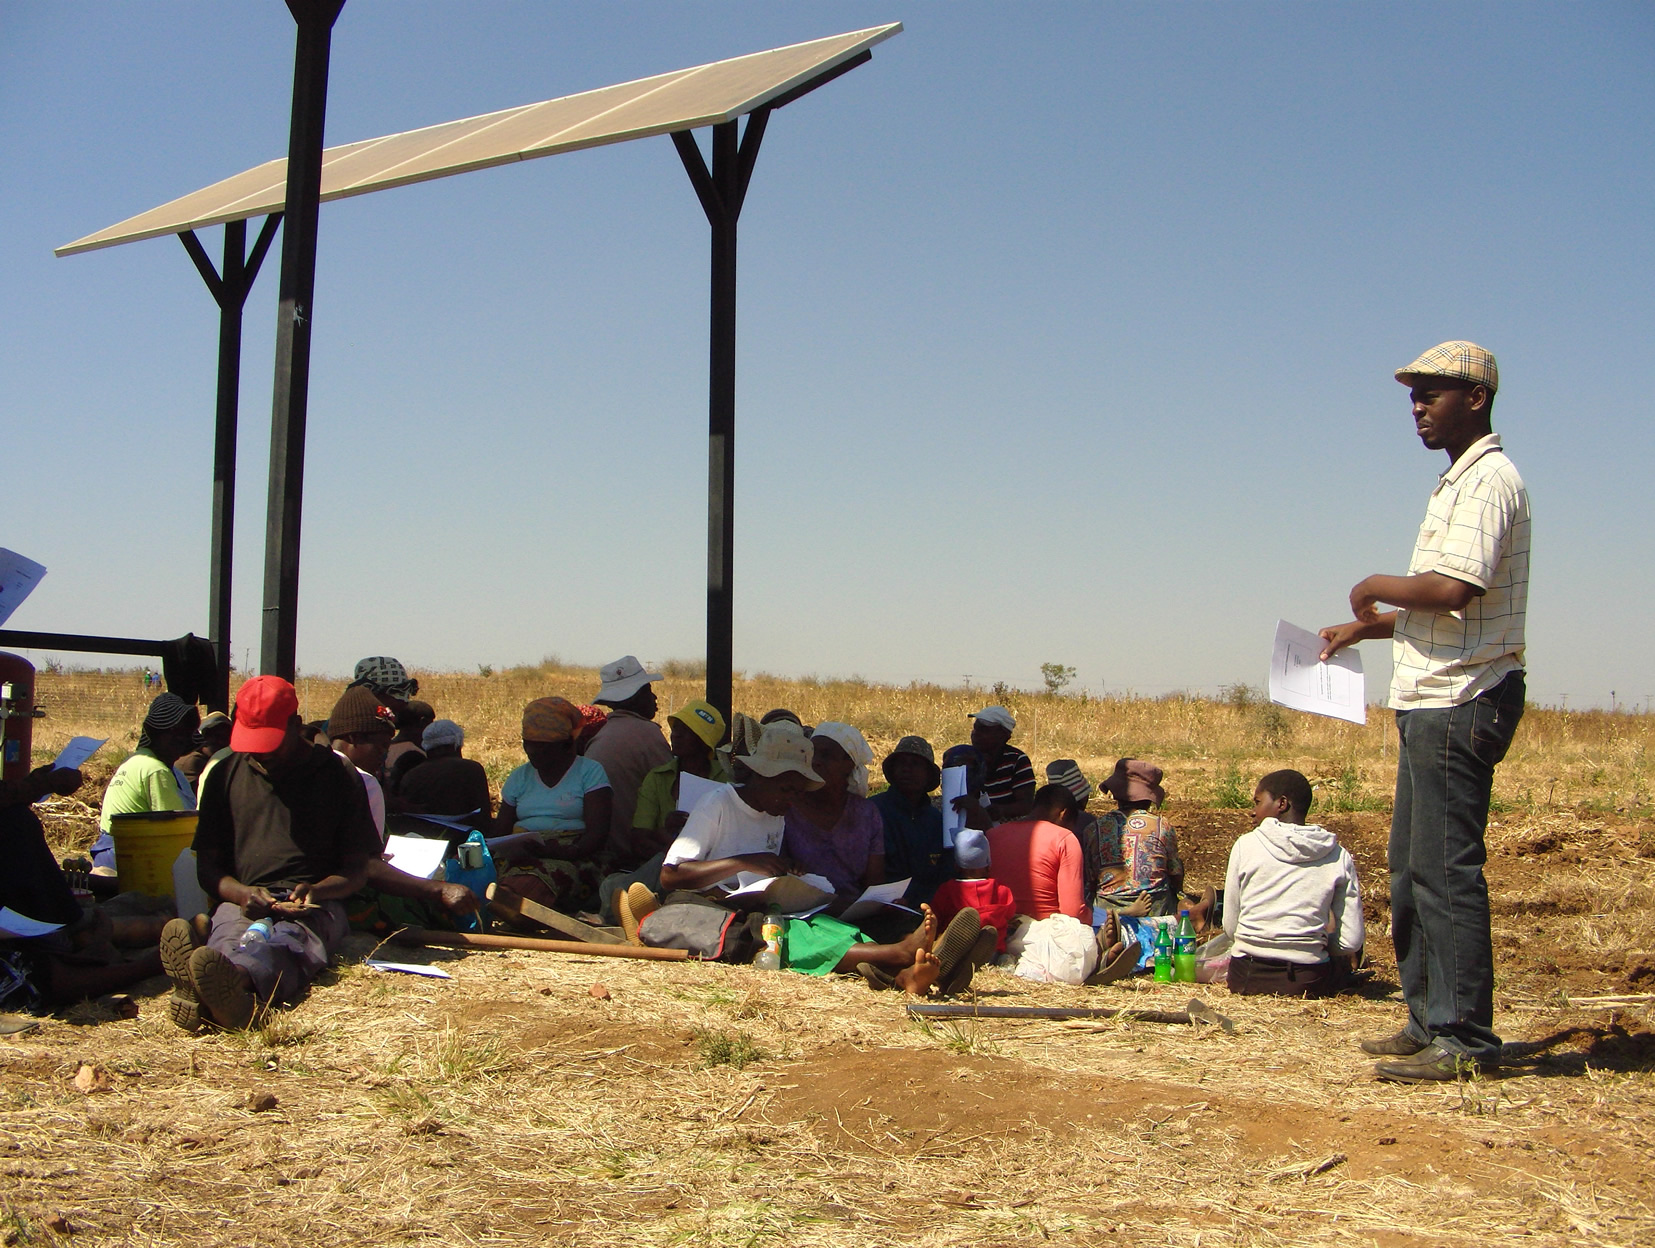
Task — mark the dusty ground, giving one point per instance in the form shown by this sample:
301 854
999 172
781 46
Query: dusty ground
705 1104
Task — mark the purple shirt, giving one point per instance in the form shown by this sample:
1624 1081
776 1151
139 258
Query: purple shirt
842 854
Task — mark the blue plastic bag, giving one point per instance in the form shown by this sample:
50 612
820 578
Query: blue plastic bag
477 879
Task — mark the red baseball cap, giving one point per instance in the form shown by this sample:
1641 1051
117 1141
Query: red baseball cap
264 705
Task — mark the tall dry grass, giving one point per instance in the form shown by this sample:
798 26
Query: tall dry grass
1212 749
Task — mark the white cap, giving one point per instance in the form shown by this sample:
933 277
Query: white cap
999 716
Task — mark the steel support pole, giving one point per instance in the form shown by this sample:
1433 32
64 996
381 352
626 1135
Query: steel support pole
224 457
721 429
278 649
721 191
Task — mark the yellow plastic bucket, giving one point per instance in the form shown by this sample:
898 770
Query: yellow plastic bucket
146 846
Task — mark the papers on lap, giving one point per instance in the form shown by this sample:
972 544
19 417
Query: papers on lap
1300 680
418 856
796 896
692 788
877 897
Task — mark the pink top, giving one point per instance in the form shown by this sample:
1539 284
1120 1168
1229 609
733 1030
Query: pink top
1042 864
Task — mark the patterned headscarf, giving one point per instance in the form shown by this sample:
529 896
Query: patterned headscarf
852 742
592 718
550 719
167 712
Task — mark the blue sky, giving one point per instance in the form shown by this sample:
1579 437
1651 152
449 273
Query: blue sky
1066 333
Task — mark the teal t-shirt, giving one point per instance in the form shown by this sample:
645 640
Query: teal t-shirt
560 808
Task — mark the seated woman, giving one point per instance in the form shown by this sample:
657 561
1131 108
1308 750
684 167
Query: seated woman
1291 901
1142 873
740 829
833 830
554 815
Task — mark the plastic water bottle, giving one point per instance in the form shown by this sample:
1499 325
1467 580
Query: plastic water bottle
1183 950
257 934
770 956
1163 952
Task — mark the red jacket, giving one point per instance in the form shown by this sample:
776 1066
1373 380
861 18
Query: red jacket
992 900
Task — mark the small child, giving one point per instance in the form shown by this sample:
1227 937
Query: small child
1291 902
975 890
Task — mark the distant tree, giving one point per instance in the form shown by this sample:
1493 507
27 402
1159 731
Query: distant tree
1057 676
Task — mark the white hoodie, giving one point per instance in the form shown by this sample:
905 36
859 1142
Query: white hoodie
1284 882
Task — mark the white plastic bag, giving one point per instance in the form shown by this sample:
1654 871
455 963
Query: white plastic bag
1056 950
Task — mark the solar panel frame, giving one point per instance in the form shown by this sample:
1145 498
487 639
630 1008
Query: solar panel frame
684 99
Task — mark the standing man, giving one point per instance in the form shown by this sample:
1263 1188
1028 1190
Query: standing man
1457 689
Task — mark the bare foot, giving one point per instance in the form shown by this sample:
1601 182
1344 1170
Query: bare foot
923 936
918 978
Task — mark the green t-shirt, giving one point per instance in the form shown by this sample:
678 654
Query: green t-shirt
142 783
655 796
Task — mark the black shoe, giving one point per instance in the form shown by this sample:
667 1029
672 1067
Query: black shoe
1432 1064
1400 1045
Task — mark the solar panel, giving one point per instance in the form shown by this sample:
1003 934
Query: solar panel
685 99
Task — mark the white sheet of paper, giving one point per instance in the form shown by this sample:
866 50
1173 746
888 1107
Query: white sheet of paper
18 577
421 857
1300 680
691 789
875 898
953 822
78 751
408 968
799 896
22 926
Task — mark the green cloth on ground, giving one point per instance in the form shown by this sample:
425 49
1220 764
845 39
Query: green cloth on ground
815 945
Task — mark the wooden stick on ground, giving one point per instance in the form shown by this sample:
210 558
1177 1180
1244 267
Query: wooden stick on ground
472 940
1204 1013
508 905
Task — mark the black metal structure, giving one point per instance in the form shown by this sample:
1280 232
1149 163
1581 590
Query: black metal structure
721 189
278 644
229 290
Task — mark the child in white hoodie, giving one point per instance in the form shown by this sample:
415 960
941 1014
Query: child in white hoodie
1291 902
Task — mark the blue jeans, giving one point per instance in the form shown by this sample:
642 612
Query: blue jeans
1439 896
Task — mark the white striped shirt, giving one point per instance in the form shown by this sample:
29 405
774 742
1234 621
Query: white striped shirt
1476 530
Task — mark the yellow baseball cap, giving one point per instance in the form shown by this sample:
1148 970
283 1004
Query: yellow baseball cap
1465 361
703 719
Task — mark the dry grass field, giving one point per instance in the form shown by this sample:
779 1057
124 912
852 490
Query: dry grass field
714 1105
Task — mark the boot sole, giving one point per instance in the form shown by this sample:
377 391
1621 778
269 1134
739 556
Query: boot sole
178 945
957 942
221 989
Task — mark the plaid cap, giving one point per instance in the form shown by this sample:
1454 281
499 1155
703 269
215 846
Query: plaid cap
1465 361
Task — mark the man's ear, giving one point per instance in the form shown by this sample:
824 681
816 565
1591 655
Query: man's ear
1479 398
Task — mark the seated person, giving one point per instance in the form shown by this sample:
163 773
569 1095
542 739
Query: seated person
977 889
1008 776
554 815
913 823
1291 902
972 805
212 737
1142 873
361 731
448 783
285 835
146 782
833 830
694 732
1067 772
406 751
78 959
628 747
1039 860
740 829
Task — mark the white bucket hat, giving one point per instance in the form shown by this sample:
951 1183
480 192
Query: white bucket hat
623 678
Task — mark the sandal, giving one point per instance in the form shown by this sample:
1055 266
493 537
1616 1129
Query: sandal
877 979
1120 966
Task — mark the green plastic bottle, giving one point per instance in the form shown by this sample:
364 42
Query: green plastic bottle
1183 950
1163 953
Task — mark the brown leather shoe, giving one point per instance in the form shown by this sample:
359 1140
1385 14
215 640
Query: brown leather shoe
1432 1064
1402 1044
223 989
178 945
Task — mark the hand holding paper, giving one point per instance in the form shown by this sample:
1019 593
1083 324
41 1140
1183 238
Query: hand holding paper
1301 680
